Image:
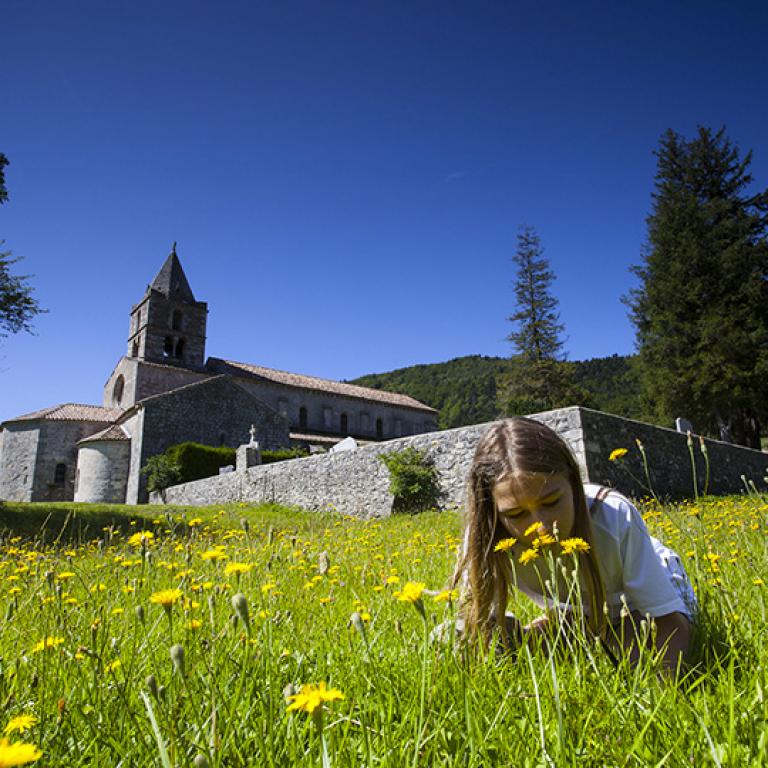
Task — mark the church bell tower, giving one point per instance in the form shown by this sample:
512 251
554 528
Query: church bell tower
168 325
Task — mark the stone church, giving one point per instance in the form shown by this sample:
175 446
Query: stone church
164 391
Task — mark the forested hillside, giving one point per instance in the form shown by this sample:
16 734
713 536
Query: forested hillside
464 389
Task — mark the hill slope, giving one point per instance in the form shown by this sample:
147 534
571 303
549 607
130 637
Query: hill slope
463 390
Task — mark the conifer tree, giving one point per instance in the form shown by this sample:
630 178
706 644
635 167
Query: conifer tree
701 310
539 378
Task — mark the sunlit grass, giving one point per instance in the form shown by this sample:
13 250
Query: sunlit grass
196 642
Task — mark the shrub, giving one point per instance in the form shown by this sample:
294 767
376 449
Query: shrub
413 480
283 454
196 461
162 472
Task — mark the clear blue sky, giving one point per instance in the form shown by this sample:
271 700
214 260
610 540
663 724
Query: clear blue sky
345 180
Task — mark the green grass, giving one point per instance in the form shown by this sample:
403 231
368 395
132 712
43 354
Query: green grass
405 702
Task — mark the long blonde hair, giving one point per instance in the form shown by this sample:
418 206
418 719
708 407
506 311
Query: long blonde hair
511 448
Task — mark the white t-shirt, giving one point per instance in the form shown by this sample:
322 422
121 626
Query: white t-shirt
632 562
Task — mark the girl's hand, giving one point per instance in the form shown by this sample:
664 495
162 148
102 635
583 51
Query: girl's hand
539 625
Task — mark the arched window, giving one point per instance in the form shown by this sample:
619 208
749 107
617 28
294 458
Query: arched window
178 353
167 347
60 474
135 349
303 417
344 424
176 319
117 390
379 428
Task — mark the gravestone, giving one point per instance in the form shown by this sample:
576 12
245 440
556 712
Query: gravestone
347 444
683 425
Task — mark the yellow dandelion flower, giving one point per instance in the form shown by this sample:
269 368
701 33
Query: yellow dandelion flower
166 597
17 753
449 595
20 723
393 579
574 545
528 556
195 521
47 644
268 587
113 665
411 592
504 545
758 582
214 554
141 539
533 528
194 624
237 568
65 575
544 540
617 453
312 697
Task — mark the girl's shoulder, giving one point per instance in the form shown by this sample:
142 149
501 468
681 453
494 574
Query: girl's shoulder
611 511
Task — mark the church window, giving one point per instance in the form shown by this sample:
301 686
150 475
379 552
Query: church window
303 417
344 424
60 474
176 318
178 353
117 390
379 428
167 346
135 349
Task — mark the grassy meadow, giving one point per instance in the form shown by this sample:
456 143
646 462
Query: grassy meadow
122 645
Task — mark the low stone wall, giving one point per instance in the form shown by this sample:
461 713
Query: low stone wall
357 483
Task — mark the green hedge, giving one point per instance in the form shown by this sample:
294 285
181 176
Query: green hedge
283 454
196 461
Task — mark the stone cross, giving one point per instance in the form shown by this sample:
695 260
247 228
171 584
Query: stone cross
252 432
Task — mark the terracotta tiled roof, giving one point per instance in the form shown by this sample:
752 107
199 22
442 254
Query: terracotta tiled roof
312 437
71 412
312 382
113 433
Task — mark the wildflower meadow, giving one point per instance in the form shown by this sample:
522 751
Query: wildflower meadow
267 636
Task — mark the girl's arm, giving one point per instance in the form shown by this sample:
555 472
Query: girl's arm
673 634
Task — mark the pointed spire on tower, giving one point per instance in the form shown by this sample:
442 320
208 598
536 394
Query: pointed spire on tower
171 280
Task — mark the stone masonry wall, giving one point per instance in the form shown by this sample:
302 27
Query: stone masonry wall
668 456
356 482
212 412
58 445
324 410
17 461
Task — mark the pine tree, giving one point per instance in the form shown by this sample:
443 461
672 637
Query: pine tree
539 378
701 310
536 336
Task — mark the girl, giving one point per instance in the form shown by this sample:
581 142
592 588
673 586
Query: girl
525 499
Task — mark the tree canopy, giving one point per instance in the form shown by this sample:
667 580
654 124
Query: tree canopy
701 309
17 305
